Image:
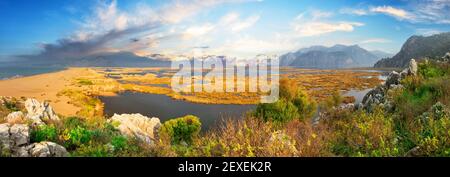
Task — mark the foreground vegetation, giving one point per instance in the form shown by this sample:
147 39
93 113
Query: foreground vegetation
417 124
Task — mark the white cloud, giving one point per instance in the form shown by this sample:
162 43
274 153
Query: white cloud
394 12
351 11
198 30
233 22
247 23
247 46
180 10
318 28
314 23
432 11
375 40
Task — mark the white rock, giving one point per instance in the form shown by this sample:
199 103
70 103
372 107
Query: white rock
393 79
38 112
14 136
15 117
46 149
412 68
139 126
5 141
20 134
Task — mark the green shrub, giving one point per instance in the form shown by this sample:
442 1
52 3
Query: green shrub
73 122
279 112
93 150
44 133
12 105
294 103
85 82
430 69
365 134
119 143
74 137
183 129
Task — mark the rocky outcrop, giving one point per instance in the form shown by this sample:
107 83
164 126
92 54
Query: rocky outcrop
393 79
418 47
37 112
445 58
12 137
377 95
15 141
43 149
15 117
136 125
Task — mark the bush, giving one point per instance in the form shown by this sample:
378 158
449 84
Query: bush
119 143
294 103
93 150
279 112
44 133
430 132
365 134
75 137
183 129
430 69
85 82
73 122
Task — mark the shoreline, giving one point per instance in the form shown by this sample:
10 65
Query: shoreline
45 87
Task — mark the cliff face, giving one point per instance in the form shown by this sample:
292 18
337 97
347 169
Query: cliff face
418 47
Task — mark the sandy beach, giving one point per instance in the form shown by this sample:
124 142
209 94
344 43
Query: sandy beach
45 87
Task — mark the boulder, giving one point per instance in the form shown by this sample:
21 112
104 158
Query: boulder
412 68
14 136
446 57
38 112
5 141
393 79
20 134
44 149
414 152
15 117
136 125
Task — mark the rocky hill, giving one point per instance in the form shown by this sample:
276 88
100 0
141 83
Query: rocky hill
418 47
338 56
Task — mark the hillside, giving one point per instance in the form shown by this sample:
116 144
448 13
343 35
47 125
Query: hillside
338 56
418 47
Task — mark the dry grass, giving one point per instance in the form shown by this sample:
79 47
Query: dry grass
318 83
252 137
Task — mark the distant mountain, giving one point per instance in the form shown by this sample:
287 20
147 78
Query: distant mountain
418 47
381 54
338 56
107 59
119 59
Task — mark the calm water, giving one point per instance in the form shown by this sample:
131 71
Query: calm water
165 108
18 71
359 94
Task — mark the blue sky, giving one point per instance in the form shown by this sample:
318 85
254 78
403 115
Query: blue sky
241 28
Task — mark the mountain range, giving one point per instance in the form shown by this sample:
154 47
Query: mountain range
337 56
105 59
418 47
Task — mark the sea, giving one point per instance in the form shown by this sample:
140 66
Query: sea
10 72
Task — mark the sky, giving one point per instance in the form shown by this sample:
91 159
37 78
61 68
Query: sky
238 28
